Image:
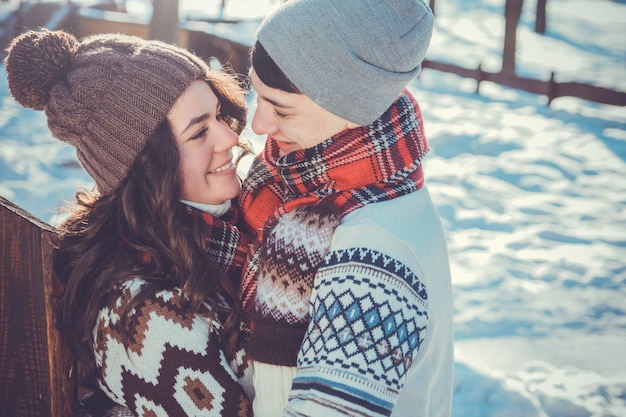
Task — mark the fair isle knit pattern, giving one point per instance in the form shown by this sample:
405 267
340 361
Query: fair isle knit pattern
171 361
371 314
289 257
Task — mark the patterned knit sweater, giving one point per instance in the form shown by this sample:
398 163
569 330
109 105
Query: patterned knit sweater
379 338
172 360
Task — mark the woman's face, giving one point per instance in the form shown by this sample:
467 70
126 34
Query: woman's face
205 142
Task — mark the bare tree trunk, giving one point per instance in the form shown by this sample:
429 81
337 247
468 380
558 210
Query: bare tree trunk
512 13
164 23
540 19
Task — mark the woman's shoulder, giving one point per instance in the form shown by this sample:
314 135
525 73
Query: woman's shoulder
140 337
140 350
151 305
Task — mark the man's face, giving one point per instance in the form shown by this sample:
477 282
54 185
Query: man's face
293 120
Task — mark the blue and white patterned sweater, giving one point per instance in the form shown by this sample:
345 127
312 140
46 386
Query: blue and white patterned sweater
379 338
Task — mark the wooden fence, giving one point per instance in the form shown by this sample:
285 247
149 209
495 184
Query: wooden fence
507 75
37 376
549 88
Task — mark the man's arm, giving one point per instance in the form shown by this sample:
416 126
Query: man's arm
369 317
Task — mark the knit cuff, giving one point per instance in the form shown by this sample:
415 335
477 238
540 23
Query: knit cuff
275 342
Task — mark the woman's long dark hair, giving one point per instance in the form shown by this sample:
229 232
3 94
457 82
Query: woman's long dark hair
141 229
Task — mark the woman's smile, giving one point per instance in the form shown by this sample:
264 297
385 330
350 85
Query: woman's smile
226 166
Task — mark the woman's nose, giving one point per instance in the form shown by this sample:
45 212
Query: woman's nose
227 138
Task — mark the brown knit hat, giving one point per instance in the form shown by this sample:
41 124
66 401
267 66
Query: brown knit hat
105 95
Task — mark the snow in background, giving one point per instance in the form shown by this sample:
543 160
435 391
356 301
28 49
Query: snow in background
532 198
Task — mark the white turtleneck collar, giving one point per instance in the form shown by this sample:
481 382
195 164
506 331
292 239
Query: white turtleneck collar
216 210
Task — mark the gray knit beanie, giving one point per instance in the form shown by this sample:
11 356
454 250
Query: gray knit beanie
351 57
105 95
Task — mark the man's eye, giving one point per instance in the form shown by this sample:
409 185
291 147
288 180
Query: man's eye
279 114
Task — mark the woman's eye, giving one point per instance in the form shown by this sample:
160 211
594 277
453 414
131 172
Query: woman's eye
200 134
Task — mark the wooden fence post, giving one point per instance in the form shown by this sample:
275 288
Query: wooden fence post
36 367
512 13
540 17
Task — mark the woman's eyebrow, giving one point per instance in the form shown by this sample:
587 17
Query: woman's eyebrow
195 121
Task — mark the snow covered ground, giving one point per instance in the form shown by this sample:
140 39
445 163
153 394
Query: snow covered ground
533 199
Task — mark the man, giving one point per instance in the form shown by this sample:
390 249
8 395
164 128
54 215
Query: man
348 291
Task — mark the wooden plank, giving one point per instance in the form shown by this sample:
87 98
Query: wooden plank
36 368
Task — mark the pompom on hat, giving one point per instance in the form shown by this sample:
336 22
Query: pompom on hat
104 95
351 57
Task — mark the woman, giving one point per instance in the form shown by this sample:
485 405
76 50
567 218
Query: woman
150 262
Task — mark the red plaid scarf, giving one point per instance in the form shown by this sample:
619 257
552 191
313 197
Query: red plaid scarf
356 167
227 247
